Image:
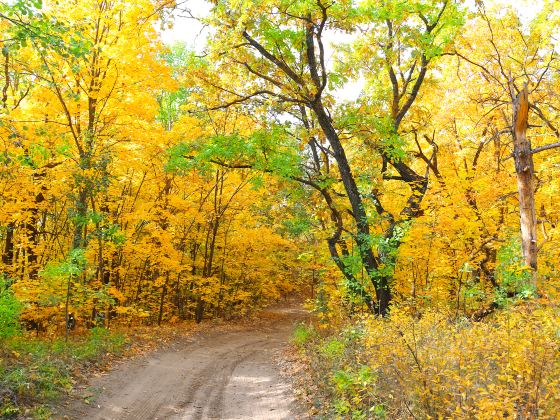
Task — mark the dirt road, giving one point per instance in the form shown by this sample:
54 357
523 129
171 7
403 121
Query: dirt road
213 375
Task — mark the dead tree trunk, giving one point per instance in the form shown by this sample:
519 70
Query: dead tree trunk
525 178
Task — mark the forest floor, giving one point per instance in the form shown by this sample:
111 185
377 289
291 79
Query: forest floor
233 372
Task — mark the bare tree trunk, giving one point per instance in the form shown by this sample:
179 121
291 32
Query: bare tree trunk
382 288
78 240
162 299
8 254
66 308
525 178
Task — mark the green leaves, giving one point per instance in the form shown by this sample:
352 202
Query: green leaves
28 24
270 151
515 278
73 265
10 309
21 7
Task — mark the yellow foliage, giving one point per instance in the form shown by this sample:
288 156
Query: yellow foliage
430 366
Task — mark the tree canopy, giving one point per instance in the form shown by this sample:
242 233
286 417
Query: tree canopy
370 156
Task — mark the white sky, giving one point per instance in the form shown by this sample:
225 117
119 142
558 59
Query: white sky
194 34
189 30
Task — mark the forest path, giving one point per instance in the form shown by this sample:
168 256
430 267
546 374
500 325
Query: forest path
210 375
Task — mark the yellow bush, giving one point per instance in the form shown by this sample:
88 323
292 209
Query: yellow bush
431 366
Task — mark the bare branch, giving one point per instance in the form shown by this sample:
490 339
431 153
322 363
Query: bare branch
546 147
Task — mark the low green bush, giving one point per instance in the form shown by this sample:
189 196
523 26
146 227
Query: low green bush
302 334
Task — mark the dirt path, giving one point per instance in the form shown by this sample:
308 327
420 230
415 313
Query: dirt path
213 375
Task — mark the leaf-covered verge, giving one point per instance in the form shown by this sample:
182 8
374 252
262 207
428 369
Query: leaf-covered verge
36 372
432 365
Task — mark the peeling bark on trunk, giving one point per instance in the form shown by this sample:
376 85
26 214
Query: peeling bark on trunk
525 178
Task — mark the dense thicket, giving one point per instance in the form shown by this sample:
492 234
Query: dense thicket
373 154
396 159
99 218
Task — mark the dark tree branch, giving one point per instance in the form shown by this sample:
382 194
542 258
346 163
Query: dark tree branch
272 58
546 147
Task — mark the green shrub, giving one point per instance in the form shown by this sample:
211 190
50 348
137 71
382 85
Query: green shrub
514 277
10 309
302 334
332 348
100 341
34 371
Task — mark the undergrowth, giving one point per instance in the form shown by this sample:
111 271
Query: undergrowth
34 372
432 365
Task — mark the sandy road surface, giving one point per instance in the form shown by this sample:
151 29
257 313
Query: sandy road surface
213 375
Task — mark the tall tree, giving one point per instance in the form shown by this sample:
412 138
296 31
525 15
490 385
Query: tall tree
278 52
519 68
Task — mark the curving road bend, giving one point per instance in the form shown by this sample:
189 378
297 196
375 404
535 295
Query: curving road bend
213 375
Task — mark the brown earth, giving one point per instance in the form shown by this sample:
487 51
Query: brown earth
210 375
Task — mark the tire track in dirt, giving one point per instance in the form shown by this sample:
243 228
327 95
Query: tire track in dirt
212 375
